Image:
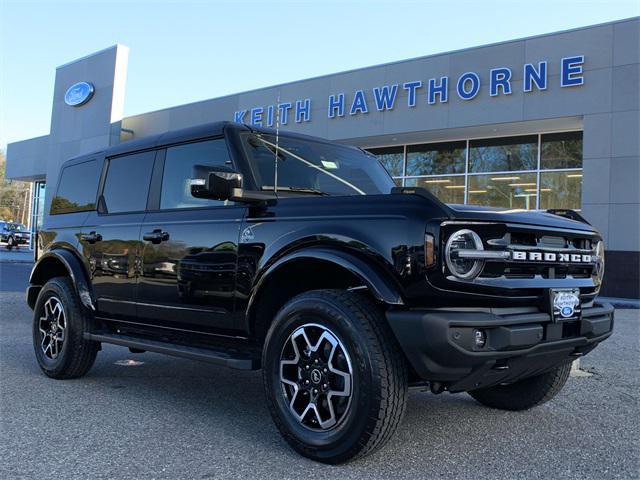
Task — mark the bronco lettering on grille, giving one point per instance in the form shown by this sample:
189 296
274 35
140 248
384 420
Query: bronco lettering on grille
552 257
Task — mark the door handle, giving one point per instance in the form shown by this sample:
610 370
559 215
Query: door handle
91 237
156 236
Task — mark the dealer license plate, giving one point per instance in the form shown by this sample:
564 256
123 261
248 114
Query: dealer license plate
565 304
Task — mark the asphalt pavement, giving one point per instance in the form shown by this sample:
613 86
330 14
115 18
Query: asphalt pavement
144 416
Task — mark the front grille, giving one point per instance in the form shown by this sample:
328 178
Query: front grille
517 239
496 270
529 258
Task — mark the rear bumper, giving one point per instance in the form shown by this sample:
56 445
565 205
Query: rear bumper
440 343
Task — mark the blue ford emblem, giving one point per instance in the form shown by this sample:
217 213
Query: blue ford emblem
78 94
566 311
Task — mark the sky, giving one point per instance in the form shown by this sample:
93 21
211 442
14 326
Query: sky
186 51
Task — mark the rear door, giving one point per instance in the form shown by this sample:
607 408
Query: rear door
110 238
190 246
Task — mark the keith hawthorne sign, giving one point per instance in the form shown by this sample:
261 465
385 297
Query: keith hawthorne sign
430 92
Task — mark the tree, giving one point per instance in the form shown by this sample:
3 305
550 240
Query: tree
15 197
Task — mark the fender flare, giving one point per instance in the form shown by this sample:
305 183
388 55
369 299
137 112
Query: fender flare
74 268
383 289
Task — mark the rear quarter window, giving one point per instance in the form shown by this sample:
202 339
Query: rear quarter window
78 188
127 183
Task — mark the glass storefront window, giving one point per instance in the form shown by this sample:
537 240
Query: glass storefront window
561 189
392 158
561 150
442 169
436 158
503 154
447 189
37 210
506 190
398 182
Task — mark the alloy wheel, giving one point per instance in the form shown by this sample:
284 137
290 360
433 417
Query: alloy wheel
316 377
52 326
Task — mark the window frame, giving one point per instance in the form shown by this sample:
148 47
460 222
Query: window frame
100 202
91 158
155 189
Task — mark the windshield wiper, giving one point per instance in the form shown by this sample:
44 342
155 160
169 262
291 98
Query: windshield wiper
295 189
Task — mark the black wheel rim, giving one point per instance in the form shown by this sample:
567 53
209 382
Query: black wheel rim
52 325
316 377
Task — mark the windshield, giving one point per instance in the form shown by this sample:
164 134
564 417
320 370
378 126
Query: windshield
310 167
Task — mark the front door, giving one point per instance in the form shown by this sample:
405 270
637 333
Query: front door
190 248
110 238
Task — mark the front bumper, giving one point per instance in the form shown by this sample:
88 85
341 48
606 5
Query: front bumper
439 343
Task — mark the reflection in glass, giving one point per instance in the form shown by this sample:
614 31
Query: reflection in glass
127 183
447 189
517 155
78 188
508 191
503 154
40 191
561 150
178 171
561 189
392 159
436 158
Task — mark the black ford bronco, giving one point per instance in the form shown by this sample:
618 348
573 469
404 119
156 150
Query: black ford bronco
251 248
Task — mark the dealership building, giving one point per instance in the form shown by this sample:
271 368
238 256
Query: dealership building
550 121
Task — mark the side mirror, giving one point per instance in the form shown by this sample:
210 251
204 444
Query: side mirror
215 182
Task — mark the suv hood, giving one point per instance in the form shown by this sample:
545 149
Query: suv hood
530 217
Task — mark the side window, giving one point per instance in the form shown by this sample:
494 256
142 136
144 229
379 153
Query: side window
127 184
78 188
178 171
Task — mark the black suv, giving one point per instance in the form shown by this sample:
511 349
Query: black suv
253 249
14 234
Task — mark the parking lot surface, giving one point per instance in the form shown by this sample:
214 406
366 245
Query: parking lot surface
161 417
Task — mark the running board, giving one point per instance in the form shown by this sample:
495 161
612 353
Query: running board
241 361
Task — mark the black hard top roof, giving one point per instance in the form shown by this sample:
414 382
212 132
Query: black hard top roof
184 135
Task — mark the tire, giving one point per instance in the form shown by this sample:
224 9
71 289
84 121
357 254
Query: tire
10 243
524 394
357 341
59 322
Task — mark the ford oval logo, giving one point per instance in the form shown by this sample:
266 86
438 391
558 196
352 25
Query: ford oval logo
78 94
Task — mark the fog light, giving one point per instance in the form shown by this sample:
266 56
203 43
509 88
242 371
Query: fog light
479 338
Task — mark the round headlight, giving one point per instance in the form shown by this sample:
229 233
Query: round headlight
458 254
600 262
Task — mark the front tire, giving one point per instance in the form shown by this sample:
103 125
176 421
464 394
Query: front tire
59 323
334 375
524 394
10 243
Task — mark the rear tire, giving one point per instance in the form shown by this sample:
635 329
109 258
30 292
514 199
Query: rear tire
10 243
525 394
365 356
59 323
